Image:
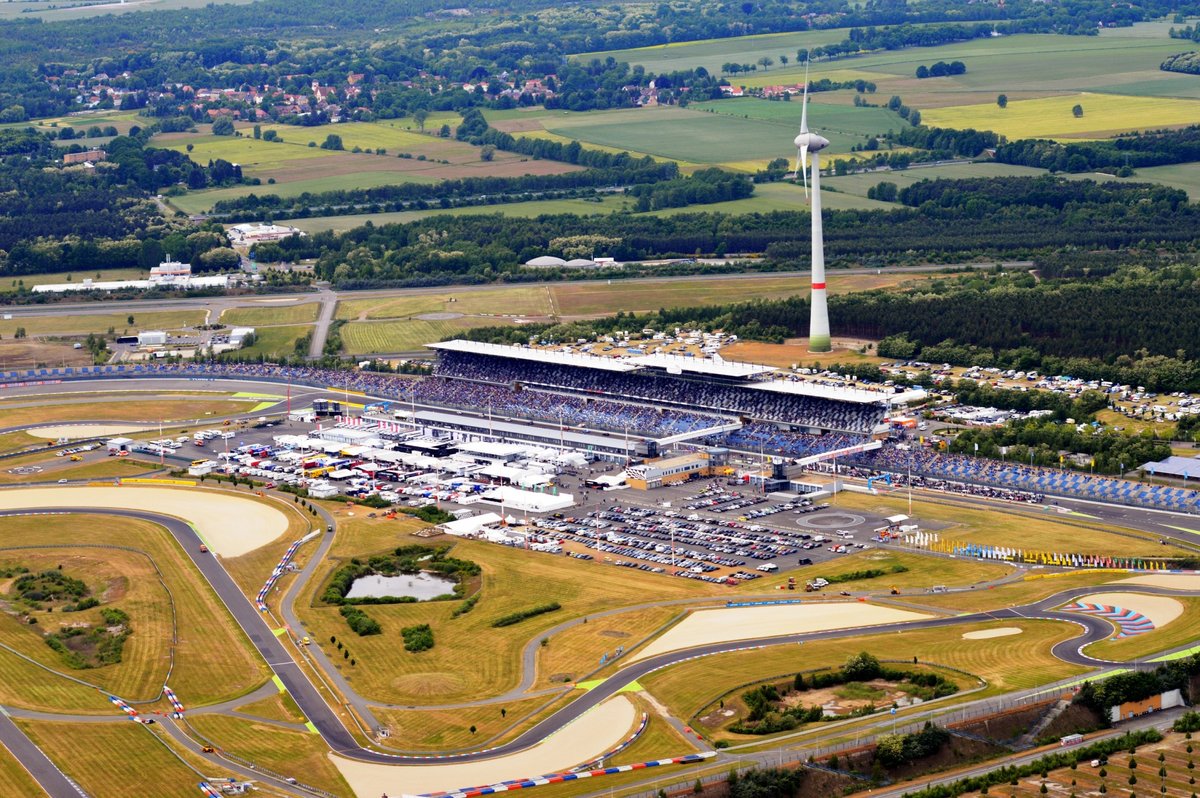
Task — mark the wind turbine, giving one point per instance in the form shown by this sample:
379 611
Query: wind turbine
806 142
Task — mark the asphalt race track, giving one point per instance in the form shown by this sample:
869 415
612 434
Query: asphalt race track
342 742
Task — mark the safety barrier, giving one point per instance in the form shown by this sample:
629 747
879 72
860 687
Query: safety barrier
151 481
261 599
762 603
560 778
208 790
129 711
176 704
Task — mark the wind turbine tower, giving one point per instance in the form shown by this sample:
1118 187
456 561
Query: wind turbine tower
806 143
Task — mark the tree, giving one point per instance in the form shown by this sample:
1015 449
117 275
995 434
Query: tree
419 116
20 333
1002 101
129 319
223 126
258 131
1077 111
487 152
444 131
220 258
922 72
332 142
765 62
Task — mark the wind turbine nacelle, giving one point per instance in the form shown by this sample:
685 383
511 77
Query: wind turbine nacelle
811 142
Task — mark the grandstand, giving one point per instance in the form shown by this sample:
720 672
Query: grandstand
695 385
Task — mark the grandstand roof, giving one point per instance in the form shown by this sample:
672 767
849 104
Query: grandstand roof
806 388
715 367
537 355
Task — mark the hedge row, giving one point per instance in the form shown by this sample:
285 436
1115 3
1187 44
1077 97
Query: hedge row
520 615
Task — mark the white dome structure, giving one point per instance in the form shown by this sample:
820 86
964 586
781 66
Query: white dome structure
581 263
545 262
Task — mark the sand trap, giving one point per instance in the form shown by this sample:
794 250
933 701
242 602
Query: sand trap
985 634
1161 610
1174 581
583 739
739 623
76 431
232 525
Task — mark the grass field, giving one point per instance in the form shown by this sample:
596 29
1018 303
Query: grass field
276 341
1010 528
12 441
277 707
99 322
1179 632
143 410
450 729
1007 663
256 157
301 755
372 337
386 672
213 661
850 120
200 201
51 11
857 185
56 468
1104 115
15 779
516 301
266 315
796 352
923 572
573 654
115 760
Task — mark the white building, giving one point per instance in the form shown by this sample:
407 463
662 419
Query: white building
168 274
257 233
237 336
152 338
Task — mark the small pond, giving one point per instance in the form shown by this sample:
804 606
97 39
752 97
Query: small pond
422 586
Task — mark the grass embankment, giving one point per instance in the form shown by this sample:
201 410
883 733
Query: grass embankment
1179 632
300 755
280 707
1007 663
82 324
472 659
213 659
140 410
1038 530
15 441
119 759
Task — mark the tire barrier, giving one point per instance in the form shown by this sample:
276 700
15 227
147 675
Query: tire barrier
128 710
176 704
260 601
560 778
625 744
1130 622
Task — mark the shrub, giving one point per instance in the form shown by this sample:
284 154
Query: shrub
521 615
417 638
361 623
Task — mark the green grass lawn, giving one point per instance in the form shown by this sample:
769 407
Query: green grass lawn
267 314
276 341
11 284
254 155
406 335
840 118
519 300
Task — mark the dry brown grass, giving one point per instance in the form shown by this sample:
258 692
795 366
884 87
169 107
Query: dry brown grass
165 410
14 778
450 729
574 653
213 659
301 755
276 707
116 760
795 352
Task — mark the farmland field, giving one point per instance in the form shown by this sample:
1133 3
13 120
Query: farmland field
338 224
1050 117
837 118
200 201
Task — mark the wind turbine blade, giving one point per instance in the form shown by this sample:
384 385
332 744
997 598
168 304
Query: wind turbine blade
804 168
804 104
